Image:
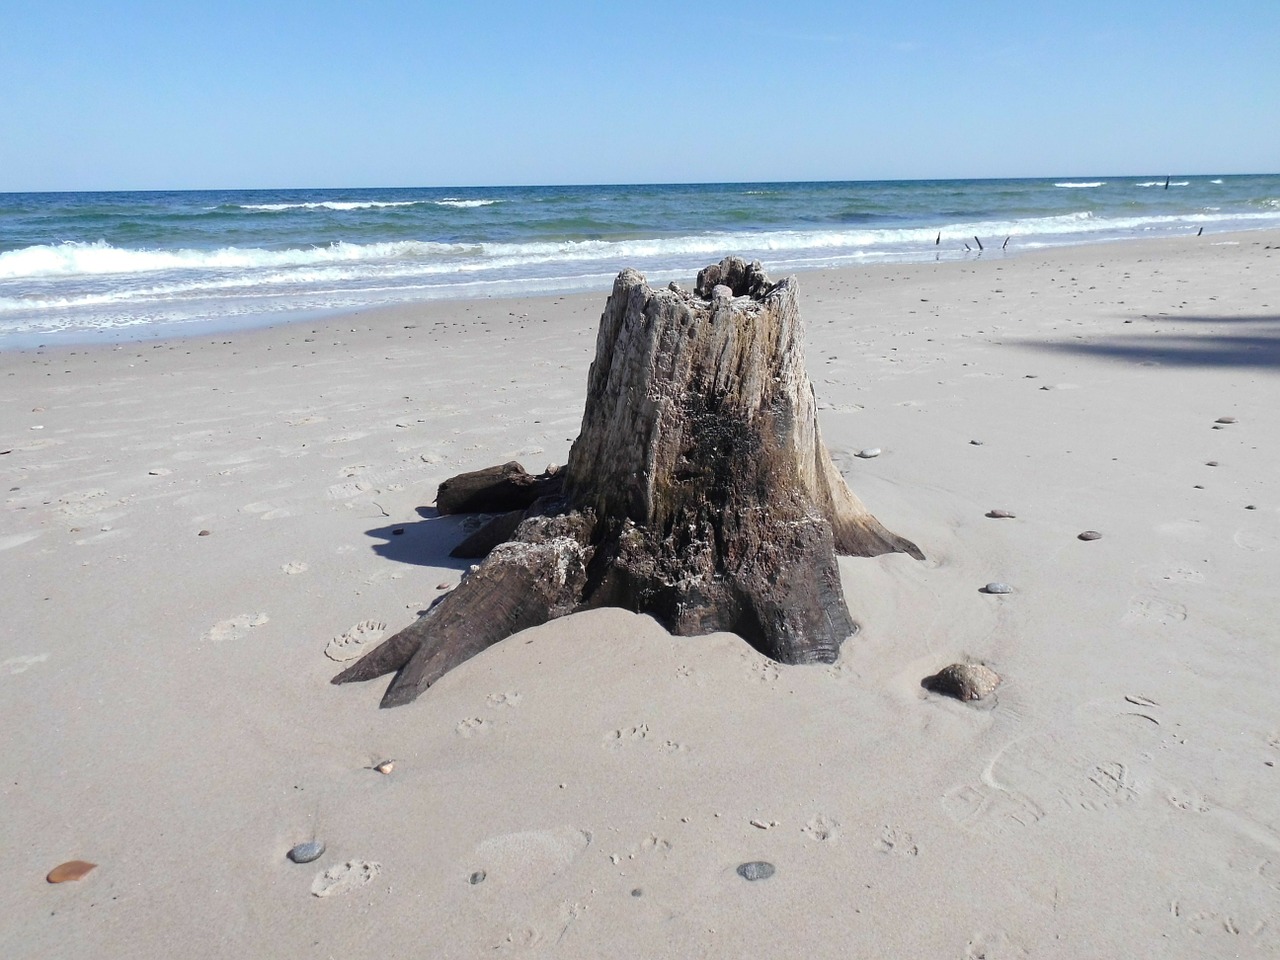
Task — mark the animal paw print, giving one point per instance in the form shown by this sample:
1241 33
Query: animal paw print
765 671
471 727
509 699
1188 800
894 840
822 828
624 735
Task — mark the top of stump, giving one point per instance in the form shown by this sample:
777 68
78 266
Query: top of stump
744 279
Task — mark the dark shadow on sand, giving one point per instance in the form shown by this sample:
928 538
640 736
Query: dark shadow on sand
1252 341
424 542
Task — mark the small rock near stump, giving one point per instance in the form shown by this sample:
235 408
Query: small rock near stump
964 681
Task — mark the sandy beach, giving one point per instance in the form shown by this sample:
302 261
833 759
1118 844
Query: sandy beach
199 532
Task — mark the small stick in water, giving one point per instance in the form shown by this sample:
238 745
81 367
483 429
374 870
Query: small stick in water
1005 244
939 240
1166 182
1200 232
978 242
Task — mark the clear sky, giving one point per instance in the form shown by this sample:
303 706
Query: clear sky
279 93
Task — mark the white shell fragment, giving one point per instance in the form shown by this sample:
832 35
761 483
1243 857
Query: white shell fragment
997 587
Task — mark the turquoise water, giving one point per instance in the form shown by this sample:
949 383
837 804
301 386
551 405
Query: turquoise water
89 266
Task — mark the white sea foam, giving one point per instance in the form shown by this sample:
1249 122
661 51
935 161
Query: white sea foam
330 205
454 202
1090 183
251 265
343 205
101 281
1161 183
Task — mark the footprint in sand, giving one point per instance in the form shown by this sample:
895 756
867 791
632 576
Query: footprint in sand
1082 766
85 504
1181 573
764 670
345 491
345 877
822 828
472 726
1256 541
508 699
652 845
16 665
355 640
267 510
896 840
235 628
527 860
1145 609
995 946
624 735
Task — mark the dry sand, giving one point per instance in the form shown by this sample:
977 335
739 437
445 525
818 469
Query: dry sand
167 714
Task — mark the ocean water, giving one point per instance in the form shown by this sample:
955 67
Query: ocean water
94 266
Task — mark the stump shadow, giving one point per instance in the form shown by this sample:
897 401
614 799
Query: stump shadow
1251 341
425 542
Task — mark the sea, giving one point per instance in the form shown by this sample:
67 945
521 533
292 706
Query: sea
89 267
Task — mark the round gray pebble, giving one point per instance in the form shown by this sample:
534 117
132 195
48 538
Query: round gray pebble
306 852
477 877
1089 535
869 452
1225 420
756 870
997 587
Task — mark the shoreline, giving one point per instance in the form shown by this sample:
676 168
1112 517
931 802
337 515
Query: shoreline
198 527
221 327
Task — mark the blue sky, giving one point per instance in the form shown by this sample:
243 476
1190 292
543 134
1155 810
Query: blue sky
141 95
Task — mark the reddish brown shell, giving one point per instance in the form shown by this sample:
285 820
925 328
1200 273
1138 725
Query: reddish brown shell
71 870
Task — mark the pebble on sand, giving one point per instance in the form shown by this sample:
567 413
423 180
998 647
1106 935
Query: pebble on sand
964 681
869 452
477 877
385 767
306 852
997 587
1226 420
204 533
71 870
1001 515
1089 535
756 870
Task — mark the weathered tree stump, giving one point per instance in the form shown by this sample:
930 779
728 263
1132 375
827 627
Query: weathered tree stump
698 491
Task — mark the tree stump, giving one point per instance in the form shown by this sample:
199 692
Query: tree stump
698 491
